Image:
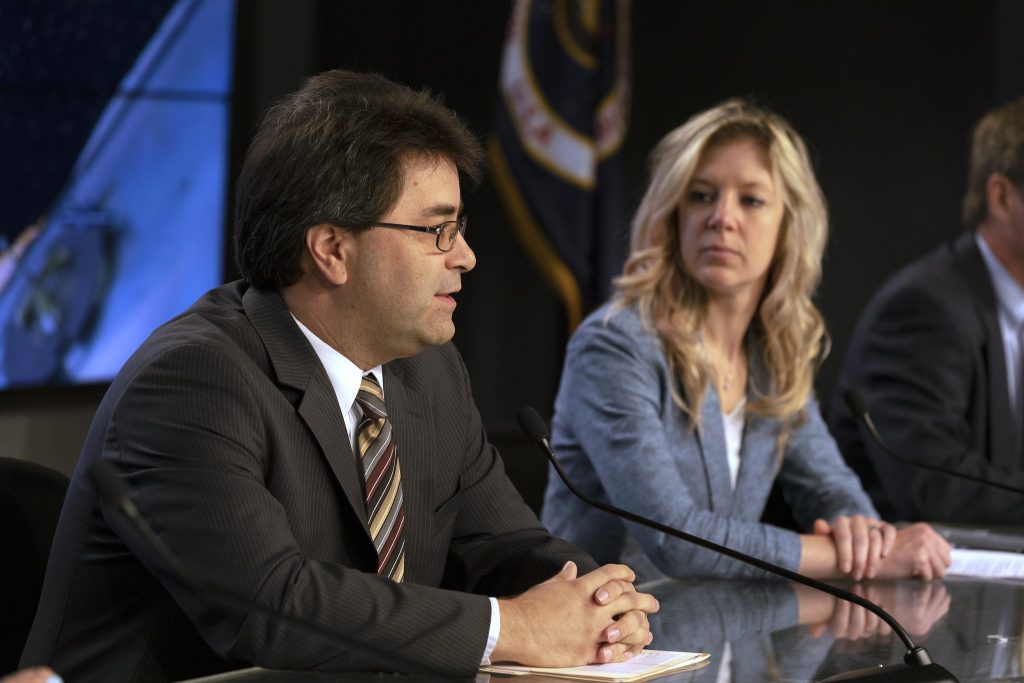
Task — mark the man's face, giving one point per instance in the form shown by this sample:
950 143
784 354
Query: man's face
405 285
1016 227
1003 227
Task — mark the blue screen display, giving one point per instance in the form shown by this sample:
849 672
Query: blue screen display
114 125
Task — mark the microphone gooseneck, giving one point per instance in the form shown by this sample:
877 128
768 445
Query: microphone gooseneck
919 665
855 402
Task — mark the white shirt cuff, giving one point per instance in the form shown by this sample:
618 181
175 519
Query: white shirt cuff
492 632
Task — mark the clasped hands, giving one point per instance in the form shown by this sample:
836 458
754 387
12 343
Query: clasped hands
570 620
867 548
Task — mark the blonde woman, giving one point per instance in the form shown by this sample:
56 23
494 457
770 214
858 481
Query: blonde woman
690 392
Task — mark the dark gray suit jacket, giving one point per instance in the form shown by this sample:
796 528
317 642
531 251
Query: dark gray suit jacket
231 440
928 356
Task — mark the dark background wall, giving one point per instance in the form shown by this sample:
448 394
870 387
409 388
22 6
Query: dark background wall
884 92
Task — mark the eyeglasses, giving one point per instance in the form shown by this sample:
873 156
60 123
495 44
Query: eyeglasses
446 232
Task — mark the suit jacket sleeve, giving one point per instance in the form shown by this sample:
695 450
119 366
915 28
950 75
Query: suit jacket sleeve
815 481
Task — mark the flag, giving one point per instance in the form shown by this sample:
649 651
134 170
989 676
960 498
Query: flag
556 152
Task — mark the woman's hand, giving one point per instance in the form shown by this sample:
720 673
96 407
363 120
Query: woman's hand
919 552
861 543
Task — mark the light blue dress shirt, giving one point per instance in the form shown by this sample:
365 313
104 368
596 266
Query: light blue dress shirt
1010 297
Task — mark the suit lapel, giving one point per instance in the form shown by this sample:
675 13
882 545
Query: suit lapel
319 410
409 410
758 456
758 459
297 368
713 453
1001 430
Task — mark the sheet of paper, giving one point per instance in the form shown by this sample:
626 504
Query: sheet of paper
648 663
991 564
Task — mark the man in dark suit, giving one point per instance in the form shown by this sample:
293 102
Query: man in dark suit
306 440
938 355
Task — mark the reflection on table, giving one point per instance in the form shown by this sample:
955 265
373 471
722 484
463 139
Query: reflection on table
778 631
773 630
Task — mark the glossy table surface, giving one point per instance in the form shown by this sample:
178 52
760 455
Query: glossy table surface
753 630
773 630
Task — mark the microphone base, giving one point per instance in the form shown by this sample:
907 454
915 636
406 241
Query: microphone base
897 673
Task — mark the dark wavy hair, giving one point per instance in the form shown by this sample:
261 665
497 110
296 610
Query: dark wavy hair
334 152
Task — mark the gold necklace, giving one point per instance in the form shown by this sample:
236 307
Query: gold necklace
727 379
724 378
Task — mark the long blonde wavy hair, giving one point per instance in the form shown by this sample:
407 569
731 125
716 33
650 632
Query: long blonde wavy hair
787 326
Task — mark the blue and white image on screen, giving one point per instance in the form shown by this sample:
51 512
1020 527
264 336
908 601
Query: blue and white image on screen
134 232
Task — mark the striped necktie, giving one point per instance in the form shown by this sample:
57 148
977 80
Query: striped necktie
383 479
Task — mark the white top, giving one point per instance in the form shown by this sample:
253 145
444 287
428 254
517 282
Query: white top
725 668
733 423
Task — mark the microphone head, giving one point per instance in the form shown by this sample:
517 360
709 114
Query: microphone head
532 424
855 402
108 483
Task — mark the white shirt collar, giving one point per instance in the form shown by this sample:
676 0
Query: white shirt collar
345 375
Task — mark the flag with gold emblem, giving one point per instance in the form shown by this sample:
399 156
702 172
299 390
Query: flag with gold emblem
556 152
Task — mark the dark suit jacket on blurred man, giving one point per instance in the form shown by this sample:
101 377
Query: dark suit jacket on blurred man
928 356
939 355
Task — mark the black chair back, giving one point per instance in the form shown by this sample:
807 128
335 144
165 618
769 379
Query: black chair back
31 496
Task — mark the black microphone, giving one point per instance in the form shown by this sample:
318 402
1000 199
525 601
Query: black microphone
859 408
918 666
113 492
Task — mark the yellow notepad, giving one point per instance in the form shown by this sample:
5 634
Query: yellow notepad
647 664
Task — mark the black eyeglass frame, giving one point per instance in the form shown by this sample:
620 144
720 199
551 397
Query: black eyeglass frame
437 230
